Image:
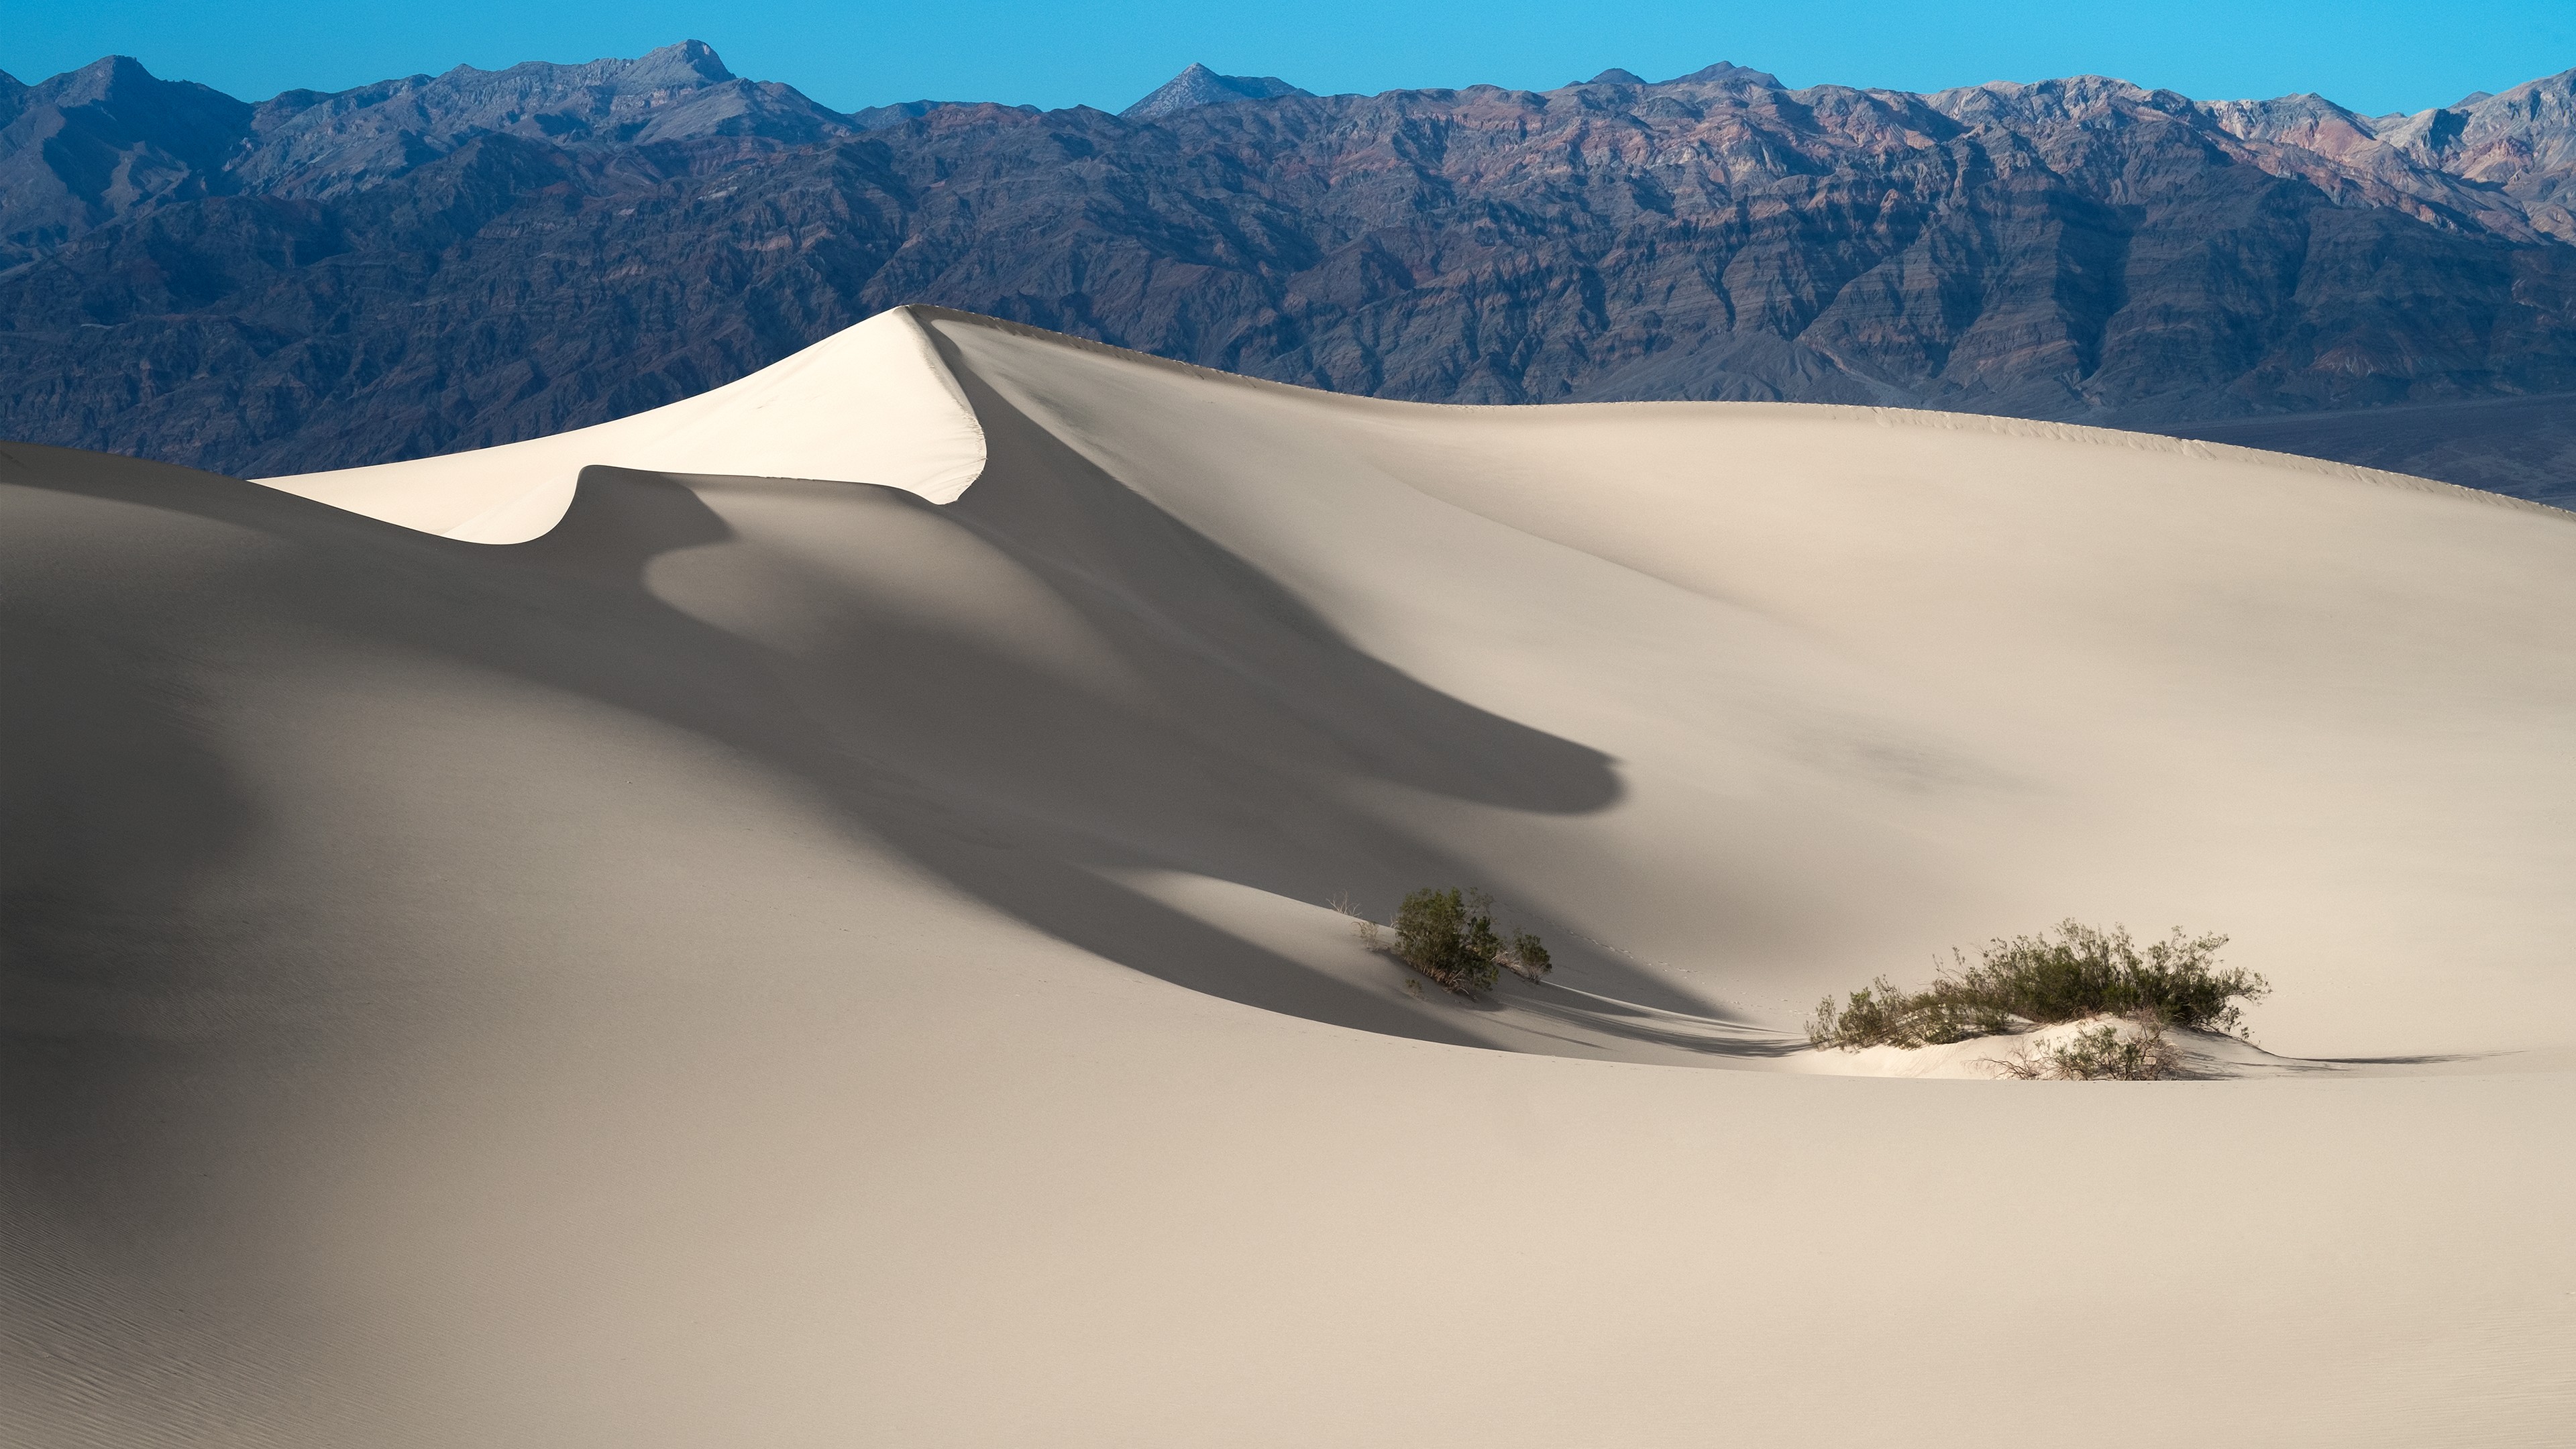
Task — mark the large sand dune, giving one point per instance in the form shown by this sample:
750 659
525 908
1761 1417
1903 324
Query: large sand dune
585 943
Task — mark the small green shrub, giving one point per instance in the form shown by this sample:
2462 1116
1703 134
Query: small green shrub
2038 980
1449 936
2100 1054
1877 1014
1527 958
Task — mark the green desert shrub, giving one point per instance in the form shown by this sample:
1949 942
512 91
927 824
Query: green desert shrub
1527 957
2101 1054
2078 972
1449 936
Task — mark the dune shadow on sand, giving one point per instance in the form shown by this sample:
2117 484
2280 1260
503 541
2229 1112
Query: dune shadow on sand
1240 757
1701 1034
1589 1024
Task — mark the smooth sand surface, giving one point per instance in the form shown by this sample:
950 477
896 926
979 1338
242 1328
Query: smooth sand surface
790 952
871 405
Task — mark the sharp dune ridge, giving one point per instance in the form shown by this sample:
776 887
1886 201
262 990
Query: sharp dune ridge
800 917
1902 417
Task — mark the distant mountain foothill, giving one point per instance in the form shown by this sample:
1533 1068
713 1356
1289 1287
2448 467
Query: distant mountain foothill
443 262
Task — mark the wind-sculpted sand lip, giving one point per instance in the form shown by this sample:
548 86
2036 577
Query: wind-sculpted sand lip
670 934
868 406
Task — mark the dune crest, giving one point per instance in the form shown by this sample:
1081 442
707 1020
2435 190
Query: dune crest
871 404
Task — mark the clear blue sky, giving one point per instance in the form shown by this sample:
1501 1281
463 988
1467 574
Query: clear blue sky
2372 55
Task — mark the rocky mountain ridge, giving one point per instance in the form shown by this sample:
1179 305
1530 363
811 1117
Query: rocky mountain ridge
445 261
1200 86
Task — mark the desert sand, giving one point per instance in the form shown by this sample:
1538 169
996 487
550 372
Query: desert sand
800 918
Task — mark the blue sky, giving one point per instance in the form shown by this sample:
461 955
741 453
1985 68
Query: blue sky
2372 55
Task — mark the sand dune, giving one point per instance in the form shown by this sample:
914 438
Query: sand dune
712 929
871 405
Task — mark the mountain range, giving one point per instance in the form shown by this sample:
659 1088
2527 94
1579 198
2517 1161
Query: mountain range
439 262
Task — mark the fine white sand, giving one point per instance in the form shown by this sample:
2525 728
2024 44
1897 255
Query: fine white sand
871 405
747 939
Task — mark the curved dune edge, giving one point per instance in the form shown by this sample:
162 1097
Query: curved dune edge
876 404
870 404
1885 417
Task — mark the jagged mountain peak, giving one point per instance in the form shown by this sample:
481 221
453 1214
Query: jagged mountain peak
2550 96
1199 86
1615 76
114 77
1728 73
689 65
691 62
320 145
2056 98
100 75
2308 120
82 147
2429 133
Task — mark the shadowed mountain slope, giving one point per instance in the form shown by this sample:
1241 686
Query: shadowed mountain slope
2524 447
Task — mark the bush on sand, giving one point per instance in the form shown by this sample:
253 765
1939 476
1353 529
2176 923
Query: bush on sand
1526 957
2077 973
1449 936
2133 1049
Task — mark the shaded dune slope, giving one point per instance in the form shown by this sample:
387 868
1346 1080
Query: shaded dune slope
371 887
